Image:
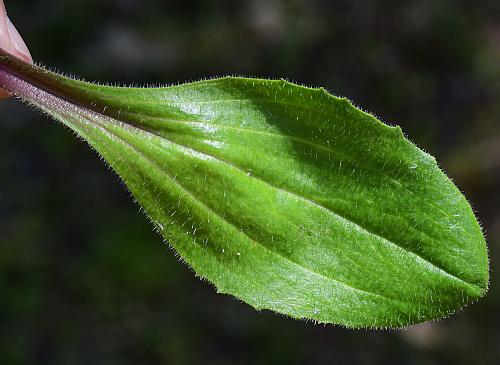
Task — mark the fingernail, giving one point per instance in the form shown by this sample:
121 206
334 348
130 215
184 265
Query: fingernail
18 48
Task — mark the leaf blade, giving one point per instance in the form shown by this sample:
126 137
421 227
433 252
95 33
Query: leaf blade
286 197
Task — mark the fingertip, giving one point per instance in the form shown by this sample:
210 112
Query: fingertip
12 42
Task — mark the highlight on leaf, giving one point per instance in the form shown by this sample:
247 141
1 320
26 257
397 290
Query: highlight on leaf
283 196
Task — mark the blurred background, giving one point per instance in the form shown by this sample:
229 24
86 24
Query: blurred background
85 280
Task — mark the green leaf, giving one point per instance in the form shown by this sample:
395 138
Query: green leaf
283 196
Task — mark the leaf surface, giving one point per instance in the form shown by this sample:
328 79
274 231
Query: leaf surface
283 196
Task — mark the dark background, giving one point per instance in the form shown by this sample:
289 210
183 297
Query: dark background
83 278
